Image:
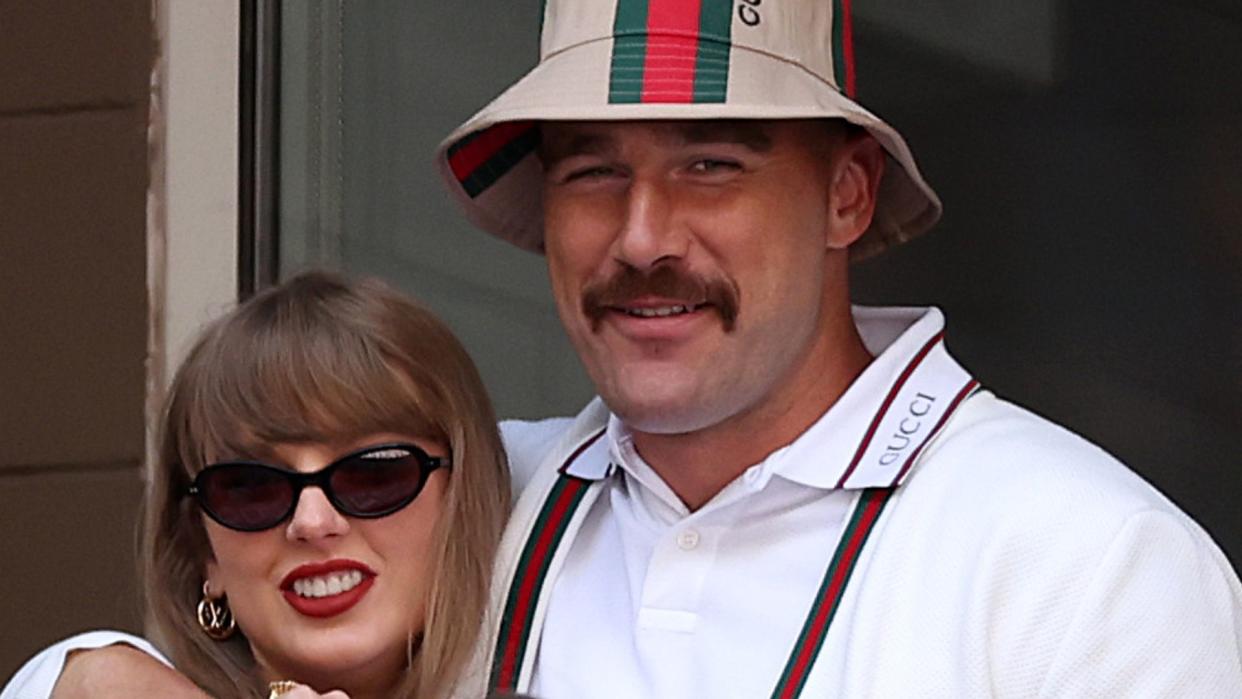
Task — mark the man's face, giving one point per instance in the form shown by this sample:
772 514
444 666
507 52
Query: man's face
687 260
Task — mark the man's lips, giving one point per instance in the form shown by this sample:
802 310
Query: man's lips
661 309
665 322
666 291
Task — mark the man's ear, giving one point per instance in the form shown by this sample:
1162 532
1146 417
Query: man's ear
856 169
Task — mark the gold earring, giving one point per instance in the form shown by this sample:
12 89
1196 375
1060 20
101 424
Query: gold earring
214 617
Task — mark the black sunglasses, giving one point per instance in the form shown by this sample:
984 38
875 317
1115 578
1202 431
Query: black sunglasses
249 496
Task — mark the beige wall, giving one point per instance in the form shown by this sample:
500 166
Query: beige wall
74 84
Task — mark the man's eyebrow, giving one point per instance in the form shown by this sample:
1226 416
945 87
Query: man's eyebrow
587 141
749 134
553 150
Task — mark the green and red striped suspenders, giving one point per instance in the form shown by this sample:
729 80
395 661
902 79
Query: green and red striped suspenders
546 537
532 571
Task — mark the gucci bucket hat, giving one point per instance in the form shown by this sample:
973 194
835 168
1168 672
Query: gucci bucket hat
674 59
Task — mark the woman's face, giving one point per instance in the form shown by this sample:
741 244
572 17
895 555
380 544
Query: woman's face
355 638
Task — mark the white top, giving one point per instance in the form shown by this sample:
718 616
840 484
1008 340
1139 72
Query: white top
1017 560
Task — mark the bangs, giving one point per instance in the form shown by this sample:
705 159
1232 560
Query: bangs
297 373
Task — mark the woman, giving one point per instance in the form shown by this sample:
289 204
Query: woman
328 497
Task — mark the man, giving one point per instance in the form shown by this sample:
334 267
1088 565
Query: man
776 493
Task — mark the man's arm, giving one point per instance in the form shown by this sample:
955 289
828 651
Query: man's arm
98 664
1161 617
121 671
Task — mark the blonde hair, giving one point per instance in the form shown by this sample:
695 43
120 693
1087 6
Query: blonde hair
319 358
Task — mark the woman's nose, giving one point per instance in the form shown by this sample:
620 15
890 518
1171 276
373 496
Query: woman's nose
315 517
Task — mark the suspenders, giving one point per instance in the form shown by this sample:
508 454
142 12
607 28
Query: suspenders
566 497
880 463
515 626
867 511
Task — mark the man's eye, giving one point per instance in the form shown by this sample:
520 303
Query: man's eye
587 173
711 166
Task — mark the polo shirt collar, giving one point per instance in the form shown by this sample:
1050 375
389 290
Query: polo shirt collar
871 436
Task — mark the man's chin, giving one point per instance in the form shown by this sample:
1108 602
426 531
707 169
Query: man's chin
667 417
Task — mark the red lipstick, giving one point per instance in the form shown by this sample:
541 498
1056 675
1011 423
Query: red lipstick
329 605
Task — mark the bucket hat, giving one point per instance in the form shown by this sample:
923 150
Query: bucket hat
674 59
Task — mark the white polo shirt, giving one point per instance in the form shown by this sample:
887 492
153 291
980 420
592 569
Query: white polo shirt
1017 560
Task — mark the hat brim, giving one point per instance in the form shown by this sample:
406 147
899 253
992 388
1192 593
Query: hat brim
489 165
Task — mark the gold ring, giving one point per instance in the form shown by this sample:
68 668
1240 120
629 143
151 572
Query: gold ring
279 687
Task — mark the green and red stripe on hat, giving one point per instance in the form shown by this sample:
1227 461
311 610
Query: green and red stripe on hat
670 51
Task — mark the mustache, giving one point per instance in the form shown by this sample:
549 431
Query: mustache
664 281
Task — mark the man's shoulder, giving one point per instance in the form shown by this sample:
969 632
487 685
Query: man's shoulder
993 440
1004 467
1035 548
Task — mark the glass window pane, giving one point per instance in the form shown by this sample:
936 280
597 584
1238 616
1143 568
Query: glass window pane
368 90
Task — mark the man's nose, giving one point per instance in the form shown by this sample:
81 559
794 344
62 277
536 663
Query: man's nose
315 518
648 233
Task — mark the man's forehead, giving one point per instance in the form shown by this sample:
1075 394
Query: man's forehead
578 136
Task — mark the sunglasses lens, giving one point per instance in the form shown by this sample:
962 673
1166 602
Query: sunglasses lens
378 482
245 496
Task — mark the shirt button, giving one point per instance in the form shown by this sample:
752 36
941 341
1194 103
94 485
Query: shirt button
688 540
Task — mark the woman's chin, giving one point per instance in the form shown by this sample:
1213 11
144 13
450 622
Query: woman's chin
334 661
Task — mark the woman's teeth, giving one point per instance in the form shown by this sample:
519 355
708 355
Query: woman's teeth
659 311
327 585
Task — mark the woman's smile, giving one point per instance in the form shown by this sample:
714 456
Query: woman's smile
327 588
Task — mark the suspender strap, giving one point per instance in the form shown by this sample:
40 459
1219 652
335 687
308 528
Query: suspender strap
526 590
511 647
515 626
866 512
